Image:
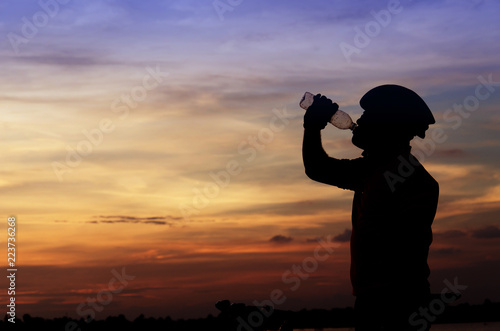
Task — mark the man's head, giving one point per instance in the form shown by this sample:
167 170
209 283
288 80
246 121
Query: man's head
392 116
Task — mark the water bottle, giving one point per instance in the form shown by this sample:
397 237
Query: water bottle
340 119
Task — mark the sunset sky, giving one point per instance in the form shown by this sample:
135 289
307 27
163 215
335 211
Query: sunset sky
162 139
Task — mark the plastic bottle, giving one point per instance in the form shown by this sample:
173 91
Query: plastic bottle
340 119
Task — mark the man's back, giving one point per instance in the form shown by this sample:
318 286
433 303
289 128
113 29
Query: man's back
393 210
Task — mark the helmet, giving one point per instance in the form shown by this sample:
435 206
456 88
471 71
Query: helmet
396 105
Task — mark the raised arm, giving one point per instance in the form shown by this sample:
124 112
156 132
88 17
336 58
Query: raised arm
318 165
313 155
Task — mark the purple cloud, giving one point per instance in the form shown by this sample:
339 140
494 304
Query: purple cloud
343 237
279 239
487 232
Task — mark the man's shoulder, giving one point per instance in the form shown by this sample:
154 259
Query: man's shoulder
421 176
406 172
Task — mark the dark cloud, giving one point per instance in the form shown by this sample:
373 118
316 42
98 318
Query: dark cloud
279 239
301 207
445 251
450 234
340 238
158 220
343 237
488 215
488 232
454 152
67 59
314 240
155 222
133 218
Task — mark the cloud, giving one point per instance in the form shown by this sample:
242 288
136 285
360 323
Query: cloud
340 238
453 152
445 251
155 222
300 207
64 60
158 220
450 234
488 232
343 237
280 239
314 240
478 213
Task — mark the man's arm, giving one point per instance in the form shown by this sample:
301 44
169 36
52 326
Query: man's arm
313 155
320 167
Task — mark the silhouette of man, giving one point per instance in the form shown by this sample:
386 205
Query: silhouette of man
395 201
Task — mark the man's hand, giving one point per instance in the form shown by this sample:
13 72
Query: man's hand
319 113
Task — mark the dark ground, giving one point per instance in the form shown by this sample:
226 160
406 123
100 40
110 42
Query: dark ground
255 319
